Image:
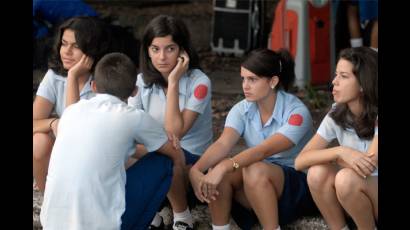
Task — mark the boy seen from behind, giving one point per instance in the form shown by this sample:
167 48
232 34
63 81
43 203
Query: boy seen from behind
87 186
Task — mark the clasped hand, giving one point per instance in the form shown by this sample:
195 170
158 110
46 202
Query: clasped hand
205 185
362 164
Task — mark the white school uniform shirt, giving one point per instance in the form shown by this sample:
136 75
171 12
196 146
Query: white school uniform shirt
85 187
329 130
290 118
194 95
53 88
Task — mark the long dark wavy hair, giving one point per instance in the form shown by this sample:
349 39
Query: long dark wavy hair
268 63
162 26
92 37
365 69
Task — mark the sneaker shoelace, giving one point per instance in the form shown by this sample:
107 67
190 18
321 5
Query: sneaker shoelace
179 225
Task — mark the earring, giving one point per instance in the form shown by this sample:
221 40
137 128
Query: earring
272 87
361 89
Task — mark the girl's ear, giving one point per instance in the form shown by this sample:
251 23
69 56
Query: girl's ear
93 86
274 81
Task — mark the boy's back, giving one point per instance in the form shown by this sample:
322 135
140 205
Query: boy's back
86 180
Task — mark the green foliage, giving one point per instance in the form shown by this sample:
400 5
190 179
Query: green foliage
317 98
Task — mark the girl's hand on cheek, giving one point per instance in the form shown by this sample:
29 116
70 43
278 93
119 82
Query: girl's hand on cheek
82 67
180 68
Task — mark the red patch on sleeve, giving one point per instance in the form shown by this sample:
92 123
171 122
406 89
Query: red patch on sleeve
201 91
295 119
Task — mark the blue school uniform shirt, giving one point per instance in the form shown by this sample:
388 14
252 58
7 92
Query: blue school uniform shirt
53 87
194 95
329 130
290 118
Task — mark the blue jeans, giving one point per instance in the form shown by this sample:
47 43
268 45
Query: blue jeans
148 182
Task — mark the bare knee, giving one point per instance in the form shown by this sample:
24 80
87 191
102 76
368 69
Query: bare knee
42 145
346 182
320 176
256 176
226 187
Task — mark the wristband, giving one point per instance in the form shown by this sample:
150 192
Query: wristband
235 165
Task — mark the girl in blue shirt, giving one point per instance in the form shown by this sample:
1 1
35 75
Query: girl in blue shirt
176 93
345 177
260 180
79 44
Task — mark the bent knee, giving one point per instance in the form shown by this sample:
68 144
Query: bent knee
227 183
42 145
258 174
42 138
346 182
319 176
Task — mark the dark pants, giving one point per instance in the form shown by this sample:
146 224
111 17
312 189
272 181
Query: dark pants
148 182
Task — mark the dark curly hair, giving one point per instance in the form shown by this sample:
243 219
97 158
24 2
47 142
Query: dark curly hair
92 37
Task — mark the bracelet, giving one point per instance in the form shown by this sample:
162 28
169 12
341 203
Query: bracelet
51 123
235 165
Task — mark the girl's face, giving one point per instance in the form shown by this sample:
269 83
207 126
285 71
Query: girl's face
254 87
70 53
346 88
164 52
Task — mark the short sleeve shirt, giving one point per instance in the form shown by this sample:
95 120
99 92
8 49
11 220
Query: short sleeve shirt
53 88
329 130
290 118
194 95
86 178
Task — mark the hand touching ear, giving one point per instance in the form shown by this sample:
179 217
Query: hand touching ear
180 68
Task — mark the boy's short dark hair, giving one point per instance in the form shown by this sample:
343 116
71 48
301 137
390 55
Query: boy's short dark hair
116 74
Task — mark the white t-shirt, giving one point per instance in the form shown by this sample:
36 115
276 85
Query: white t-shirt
194 94
53 88
85 187
329 130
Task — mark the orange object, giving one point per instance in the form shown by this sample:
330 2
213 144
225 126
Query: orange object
284 29
285 35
